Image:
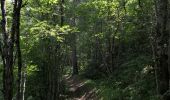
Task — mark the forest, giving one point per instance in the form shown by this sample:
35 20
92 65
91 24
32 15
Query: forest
85 50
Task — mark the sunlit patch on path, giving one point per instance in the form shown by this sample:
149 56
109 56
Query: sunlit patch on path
79 89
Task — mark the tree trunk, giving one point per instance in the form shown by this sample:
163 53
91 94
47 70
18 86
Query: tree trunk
162 37
17 41
8 47
23 82
74 47
62 12
19 95
7 56
74 57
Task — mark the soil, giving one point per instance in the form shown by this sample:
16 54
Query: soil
79 89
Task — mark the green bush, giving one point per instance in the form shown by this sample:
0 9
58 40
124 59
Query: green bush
133 80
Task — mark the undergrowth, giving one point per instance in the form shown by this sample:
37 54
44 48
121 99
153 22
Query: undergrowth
133 80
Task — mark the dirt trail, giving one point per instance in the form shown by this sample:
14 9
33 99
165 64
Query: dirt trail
79 89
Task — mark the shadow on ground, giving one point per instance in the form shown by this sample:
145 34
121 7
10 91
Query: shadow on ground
79 89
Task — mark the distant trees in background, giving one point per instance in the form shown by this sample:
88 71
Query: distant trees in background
43 40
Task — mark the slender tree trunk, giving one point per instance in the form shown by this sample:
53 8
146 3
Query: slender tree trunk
162 44
19 56
74 47
19 96
74 57
62 12
23 83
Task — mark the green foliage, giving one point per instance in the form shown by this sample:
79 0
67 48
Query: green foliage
134 80
43 63
43 52
103 31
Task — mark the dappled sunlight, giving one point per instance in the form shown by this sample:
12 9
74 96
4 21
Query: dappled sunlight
85 50
79 89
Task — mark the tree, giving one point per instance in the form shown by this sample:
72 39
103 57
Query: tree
73 23
61 12
162 44
7 48
107 40
19 56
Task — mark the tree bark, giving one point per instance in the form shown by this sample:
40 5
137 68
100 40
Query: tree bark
7 48
62 12
19 56
7 56
74 56
74 47
23 83
162 38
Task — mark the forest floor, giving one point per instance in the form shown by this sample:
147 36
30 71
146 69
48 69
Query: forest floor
79 89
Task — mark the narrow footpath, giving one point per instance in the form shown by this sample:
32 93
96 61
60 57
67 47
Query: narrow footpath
79 89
